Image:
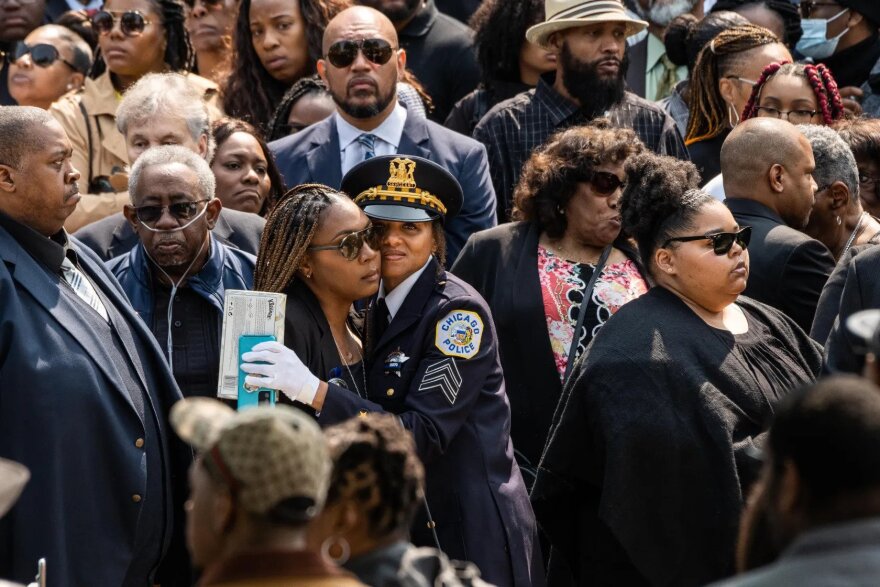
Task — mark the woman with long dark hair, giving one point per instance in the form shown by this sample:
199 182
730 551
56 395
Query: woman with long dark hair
276 42
135 37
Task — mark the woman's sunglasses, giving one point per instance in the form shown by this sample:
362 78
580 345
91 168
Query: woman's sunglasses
132 23
180 211
208 3
351 244
722 242
604 183
41 54
343 53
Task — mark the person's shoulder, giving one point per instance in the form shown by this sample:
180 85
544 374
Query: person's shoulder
513 108
643 105
317 132
457 293
442 135
450 31
243 220
503 234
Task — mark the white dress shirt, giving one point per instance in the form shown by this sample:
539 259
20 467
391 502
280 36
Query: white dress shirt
394 300
387 138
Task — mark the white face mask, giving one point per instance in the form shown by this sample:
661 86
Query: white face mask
814 43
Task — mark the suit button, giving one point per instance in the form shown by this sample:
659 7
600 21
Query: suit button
139 443
390 392
431 524
177 323
136 498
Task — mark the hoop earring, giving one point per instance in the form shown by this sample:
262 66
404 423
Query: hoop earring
329 542
731 113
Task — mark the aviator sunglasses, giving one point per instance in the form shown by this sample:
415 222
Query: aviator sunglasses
722 242
351 244
41 54
343 53
132 23
180 211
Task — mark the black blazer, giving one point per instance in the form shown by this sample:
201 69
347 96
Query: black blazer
502 264
638 66
787 269
113 236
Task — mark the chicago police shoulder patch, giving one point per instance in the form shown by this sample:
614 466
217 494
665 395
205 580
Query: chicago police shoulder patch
459 334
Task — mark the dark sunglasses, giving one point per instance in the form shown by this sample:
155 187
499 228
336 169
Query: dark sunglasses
343 53
208 3
41 54
180 211
351 244
722 242
807 7
132 23
604 183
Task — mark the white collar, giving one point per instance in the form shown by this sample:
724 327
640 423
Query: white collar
394 299
389 131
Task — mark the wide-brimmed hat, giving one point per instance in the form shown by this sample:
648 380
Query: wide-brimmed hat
13 478
568 14
266 455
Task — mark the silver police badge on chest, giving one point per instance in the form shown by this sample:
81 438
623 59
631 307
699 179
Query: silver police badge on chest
394 362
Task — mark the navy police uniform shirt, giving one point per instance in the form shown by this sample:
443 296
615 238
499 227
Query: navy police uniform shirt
436 366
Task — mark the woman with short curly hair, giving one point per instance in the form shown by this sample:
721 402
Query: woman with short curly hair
567 207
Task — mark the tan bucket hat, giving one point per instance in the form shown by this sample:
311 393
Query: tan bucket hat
13 478
567 14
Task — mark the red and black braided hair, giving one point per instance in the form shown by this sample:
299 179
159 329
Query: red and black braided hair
819 79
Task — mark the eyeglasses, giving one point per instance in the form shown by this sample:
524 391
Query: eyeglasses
351 244
41 54
867 179
793 116
208 3
807 7
604 183
741 79
343 53
180 211
132 23
722 242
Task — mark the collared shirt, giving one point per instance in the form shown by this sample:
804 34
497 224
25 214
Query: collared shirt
387 135
396 297
676 107
514 128
48 251
654 68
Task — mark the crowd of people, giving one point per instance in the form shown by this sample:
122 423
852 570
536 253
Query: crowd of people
576 292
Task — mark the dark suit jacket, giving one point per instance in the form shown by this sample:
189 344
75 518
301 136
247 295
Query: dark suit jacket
113 236
829 301
861 292
787 269
638 64
313 156
67 414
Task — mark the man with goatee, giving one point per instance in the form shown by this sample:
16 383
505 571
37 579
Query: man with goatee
589 37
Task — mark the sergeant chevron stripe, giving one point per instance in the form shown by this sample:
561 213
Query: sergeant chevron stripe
444 376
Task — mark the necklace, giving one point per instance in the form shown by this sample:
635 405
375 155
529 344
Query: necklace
564 254
855 233
348 369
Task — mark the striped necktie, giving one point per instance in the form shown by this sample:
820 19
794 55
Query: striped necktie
83 287
368 142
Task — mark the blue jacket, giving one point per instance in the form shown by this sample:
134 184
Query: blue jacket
226 268
313 156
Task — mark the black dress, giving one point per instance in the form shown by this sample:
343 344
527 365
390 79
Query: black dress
651 451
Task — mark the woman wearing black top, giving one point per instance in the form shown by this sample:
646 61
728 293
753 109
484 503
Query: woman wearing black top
650 453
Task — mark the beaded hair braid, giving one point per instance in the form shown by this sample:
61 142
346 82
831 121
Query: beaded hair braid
708 110
289 230
819 78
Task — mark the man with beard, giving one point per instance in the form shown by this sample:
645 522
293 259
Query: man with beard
652 75
177 278
439 50
361 69
590 38
816 509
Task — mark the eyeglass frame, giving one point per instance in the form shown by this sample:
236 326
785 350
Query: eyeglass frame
12 56
208 3
743 234
590 178
378 231
113 14
787 113
163 209
742 79
360 51
806 7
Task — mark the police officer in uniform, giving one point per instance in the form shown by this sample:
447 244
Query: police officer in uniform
432 359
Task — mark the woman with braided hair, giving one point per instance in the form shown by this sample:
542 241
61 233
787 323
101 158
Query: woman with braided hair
375 492
135 37
649 458
802 93
721 83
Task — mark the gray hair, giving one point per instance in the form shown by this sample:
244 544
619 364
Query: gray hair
17 139
834 159
166 155
169 95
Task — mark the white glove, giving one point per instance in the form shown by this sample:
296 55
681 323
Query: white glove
283 371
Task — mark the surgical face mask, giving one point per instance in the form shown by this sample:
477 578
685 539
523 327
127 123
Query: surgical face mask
814 42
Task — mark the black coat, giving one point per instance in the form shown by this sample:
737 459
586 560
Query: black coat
113 236
647 466
860 292
449 392
787 268
502 264
829 301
